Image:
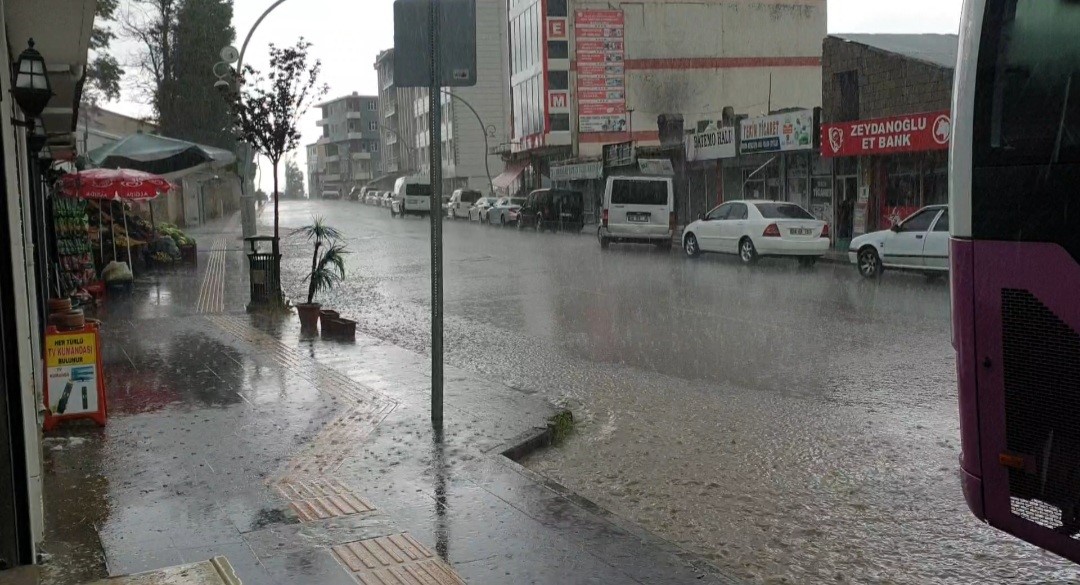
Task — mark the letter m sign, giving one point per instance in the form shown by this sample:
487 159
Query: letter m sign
558 100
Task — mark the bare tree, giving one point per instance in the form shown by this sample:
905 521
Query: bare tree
151 24
266 111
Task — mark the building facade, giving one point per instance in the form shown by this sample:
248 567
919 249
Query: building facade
886 125
397 131
641 74
347 154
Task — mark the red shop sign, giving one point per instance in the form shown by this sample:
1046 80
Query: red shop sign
910 133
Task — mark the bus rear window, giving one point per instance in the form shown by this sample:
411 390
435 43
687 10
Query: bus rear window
628 192
418 189
1035 99
470 196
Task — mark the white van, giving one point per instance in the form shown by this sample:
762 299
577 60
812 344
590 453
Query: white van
639 209
412 196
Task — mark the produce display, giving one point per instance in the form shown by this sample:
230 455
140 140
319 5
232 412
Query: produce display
73 247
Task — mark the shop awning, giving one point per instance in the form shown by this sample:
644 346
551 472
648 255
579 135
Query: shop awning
511 174
160 155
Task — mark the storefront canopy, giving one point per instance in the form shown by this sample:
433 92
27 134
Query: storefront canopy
511 174
160 155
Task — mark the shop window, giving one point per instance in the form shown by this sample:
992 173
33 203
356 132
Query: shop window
935 178
902 183
560 122
558 50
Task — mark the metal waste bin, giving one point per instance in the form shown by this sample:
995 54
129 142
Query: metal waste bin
264 262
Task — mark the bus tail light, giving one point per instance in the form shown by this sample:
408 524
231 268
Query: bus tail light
771 232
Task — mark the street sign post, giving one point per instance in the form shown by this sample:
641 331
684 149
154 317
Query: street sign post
435 47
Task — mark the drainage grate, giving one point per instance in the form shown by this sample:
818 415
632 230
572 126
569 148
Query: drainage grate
1041 356
397 558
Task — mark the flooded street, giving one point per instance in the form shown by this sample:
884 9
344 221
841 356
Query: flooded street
790 425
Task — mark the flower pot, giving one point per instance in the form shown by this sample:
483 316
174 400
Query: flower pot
189 254
345 329
309 316
326 322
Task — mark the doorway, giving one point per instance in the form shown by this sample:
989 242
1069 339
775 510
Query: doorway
847 193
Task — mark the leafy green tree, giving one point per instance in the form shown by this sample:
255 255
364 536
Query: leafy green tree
266 111
103 73
294 180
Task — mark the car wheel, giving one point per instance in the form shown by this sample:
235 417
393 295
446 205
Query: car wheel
869 263
807 261
604 242
690 246
502 220
539 223
521 223
747 251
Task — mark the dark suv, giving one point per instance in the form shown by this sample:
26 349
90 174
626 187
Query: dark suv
552 209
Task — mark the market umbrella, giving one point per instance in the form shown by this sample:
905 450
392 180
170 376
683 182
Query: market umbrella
114 185
160 155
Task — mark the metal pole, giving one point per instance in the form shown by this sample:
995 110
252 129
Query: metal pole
435 161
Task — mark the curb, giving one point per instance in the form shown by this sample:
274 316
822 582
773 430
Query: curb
540 438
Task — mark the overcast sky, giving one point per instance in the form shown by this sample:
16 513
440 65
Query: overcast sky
348 34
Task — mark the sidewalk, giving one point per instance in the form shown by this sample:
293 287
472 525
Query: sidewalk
312 461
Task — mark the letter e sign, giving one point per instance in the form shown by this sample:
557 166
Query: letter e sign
556 28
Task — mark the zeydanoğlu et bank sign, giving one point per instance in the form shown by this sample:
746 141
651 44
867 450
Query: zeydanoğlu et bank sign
910 133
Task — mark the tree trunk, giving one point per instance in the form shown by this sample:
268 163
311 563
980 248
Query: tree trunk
311 277
275 164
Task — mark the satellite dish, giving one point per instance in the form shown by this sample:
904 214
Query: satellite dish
230 55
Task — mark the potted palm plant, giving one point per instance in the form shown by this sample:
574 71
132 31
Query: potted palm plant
327 269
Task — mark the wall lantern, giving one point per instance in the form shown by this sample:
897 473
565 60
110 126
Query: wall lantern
30 84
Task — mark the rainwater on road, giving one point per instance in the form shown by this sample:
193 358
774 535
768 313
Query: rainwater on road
790 425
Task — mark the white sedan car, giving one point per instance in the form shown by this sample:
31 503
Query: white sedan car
478 212
504 211
920 243
753 229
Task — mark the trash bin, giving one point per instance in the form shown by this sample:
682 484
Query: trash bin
264 262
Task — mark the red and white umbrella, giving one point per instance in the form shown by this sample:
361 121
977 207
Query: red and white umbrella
114 185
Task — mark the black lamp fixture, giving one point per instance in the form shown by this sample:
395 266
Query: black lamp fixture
30 84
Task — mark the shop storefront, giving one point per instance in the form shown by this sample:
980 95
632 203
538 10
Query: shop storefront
586 177
887 168
776 159
705 153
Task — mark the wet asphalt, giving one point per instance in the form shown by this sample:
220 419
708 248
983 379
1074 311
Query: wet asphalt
788 424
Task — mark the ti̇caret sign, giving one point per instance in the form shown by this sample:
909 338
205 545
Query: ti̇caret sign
777 133
909 133
711 144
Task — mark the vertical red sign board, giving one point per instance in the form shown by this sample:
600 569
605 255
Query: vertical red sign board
74 376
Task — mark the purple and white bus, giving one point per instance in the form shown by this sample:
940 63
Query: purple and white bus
1015 266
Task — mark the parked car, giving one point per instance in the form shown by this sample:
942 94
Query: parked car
505 210
478 212
385 199
552 209
920 243
412 196
461 200
331 194
753 229
372 197
638 209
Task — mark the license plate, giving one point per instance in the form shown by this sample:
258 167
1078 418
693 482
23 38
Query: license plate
638 217
800 231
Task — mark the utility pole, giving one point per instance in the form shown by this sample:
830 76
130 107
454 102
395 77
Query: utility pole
435 162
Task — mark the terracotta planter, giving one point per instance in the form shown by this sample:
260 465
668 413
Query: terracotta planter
189 254
345 329
309 316
326 322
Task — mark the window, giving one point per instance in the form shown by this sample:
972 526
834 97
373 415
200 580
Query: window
785 211
560 122
942 224
846 86
374 147
559 79
920 222
630 192
720 212
738 211
372 106
373 125
556 8
558 50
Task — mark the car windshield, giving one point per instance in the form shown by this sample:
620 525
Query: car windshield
782 211
653 311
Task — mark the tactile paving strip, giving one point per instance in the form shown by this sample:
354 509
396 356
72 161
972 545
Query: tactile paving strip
319 499
397 559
